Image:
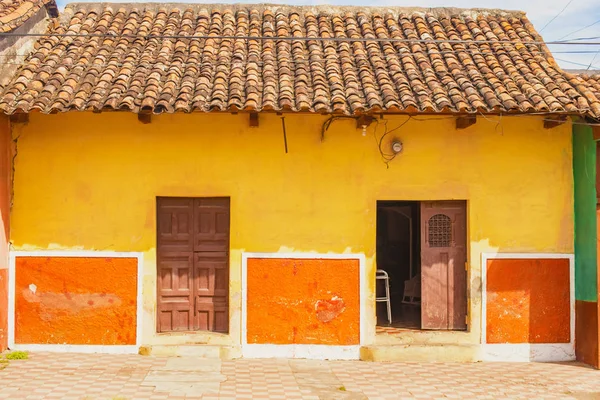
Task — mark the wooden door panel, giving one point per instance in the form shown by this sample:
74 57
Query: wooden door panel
212 291
443 258
212 314
176 319
434 290
175 292
175 223
212 273
211 225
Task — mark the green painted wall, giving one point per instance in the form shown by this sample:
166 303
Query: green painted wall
584 172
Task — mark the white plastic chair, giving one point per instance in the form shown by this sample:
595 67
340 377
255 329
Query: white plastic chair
382 275
412 290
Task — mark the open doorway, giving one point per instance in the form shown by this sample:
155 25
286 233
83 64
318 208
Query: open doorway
421 255
398 254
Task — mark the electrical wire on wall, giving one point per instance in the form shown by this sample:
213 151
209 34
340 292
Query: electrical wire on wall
498 123
329 121
386 157
389 157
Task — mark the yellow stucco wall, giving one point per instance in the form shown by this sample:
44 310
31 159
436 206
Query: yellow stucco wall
90 181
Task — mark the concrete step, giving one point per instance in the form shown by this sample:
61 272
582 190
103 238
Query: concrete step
421 353
192 350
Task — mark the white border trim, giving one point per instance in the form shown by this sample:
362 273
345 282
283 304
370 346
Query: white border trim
77 348
305 351
309 351
528 351
109 349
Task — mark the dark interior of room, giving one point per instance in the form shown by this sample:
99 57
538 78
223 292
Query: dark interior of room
397 221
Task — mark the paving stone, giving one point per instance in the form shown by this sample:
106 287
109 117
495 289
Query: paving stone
51 376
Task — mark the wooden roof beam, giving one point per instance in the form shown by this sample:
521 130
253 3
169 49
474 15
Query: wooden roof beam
253 120
145 118
552 121
465 121
19 118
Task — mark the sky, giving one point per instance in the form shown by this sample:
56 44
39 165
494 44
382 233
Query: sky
554 19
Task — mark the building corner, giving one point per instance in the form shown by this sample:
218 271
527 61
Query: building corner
586 245
5 191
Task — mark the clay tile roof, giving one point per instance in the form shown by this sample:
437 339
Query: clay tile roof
13 13
593 82
199 57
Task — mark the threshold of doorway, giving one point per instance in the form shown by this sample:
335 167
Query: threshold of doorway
221 352
190 338
425 337
430 352
393 330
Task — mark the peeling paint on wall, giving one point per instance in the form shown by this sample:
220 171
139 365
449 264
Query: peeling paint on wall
70 302
75 300
328 310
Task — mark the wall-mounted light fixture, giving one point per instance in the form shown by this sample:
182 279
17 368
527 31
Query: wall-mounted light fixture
397 146
363 122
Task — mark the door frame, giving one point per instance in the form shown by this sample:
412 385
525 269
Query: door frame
157 268
542 352
418 234
309 351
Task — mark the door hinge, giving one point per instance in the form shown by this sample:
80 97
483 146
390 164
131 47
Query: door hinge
466 266
466 320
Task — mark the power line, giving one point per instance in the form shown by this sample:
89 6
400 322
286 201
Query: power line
556 16
581 38
579 30
593 59
576 63
292 38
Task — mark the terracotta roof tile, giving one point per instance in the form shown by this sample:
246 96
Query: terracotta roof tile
178 57
13 13
588 85
592 82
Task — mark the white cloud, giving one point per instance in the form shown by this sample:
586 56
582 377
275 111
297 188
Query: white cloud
578 14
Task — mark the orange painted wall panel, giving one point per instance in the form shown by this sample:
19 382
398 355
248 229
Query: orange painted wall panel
528 301
303 301
76 300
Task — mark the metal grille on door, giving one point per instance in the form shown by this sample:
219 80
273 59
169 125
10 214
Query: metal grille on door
440 231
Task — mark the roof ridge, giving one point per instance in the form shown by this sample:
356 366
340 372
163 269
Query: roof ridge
435 11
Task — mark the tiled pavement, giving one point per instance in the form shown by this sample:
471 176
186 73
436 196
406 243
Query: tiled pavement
79 376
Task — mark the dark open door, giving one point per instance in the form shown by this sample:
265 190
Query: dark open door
443 265
193 264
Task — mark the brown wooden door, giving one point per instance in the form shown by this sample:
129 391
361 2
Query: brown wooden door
211 264
193 264
443 261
